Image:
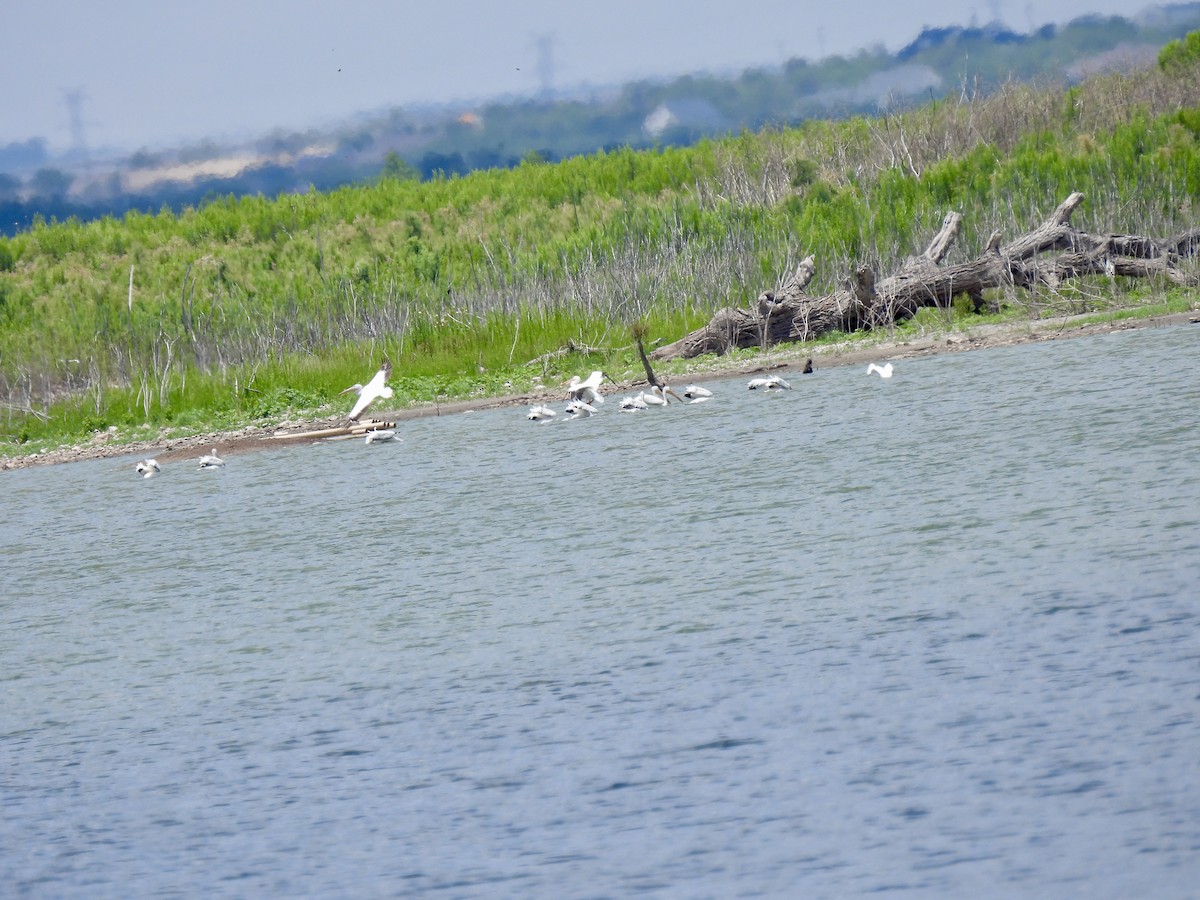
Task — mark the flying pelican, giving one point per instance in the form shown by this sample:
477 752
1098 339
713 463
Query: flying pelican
540 414
587 390
374 389
147 468
768 383
580 410
696 394
380 435
658 388
884 371
635 403
211 460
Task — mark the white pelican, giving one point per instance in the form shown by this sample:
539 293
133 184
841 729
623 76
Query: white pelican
661 392
540 414
579 410
374 389
587 390
696 394
379 435
634 403
768 383
659 389
147 468
884 371
211 460
654 397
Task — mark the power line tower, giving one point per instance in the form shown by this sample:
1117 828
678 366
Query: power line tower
74 100
545 63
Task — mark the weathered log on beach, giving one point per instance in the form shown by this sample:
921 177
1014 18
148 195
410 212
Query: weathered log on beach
356 430
1051 254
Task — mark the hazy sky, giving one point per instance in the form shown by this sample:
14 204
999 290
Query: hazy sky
154 73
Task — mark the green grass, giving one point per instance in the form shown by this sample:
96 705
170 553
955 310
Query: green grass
256 310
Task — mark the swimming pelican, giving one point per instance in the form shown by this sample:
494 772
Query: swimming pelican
663 391
658 388
580 410
768 383
587 390
884 371
147 468
654 397
634 403
696 394
211 460
540 414
380 435
374 389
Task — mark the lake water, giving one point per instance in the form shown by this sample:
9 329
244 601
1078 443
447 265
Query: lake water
930 636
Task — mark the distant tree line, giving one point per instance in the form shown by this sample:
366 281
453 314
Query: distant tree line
639 115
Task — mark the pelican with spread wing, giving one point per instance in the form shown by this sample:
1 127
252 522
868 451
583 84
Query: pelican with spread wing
372 390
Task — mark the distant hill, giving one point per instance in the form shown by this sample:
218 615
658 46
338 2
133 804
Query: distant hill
448 141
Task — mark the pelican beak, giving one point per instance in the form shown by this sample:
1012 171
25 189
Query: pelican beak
671 391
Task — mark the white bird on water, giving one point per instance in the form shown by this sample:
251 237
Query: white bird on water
372 391
540 414
656 397
696 394
768 383
661 392
659 389
629 404
381 435
211 460
148 468
577 409
884 371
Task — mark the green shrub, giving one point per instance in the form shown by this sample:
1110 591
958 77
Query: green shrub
1180 55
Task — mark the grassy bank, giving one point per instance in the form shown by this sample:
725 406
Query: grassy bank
257 310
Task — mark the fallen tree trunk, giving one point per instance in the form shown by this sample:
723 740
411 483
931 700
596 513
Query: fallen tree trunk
863 303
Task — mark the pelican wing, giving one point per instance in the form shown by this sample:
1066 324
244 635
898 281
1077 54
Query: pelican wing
588 389
372 391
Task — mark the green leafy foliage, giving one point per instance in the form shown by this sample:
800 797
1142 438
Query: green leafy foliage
253 308
1181 55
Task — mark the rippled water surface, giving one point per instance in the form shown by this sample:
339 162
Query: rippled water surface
932 636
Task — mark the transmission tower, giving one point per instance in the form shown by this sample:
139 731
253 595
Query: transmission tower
74 100
545 63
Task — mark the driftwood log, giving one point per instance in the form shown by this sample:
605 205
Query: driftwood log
1050 254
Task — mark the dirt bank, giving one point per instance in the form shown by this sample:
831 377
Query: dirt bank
250 438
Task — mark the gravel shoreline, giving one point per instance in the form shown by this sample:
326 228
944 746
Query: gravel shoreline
251 438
